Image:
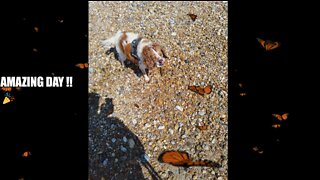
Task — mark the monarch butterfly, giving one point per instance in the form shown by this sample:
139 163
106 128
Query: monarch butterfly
26 154
82 65
8 89
200 90
180 158
268 45
192 16
276 125
202 127
281 117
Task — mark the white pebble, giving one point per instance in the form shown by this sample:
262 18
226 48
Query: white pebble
201 113
161 127
179 108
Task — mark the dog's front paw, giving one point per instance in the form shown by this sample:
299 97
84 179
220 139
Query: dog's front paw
146 78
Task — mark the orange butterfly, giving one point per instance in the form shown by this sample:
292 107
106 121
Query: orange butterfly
276 125
192 16
26 154
268 45
82 65
281 117
202 127
180 158
200 90
8 89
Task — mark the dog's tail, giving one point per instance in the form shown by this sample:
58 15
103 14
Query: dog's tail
112 41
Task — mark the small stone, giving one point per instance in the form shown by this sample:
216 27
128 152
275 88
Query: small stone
147 125
179 108
131 143
173 143
113 154
184 136
123 149
171 131
105 162
161 127
124 139
173 34
113 140
134 121
201 113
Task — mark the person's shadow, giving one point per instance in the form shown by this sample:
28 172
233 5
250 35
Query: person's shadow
114 151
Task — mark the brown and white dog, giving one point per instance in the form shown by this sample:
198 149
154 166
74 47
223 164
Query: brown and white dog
141 51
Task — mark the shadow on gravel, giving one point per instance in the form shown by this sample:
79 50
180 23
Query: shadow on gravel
114 151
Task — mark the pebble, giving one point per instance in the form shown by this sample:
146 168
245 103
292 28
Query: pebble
161 127
131 143
123 149
147 125
124 139
179 108
202 113
113 140
105 162
134 121
171 131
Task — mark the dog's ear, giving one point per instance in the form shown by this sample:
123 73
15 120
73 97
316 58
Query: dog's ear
159 47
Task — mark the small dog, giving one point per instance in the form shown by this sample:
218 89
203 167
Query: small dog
141 51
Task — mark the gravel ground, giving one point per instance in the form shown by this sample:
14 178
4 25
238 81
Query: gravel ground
130 121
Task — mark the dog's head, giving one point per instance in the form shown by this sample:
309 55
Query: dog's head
154 55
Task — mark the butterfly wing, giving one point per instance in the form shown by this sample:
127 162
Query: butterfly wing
277 116
80 65
271 45
262 42
208 89
204 163
176 158
285 116
197 89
